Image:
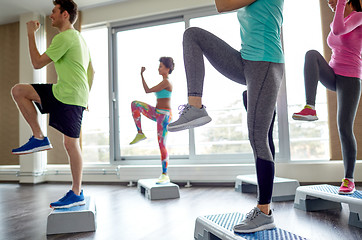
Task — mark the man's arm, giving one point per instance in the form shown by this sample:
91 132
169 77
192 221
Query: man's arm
37 60
230 5
90 74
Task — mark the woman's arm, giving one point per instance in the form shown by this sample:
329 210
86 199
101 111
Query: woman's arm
230 5
162 85
145 86
339 27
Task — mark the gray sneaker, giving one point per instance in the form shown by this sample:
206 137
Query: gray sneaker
190 117
255 221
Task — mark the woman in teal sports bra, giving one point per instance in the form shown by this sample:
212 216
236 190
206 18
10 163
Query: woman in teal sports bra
160 114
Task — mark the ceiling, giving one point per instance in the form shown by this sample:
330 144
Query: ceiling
10 10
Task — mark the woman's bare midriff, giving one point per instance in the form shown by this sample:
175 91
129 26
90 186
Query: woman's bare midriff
164 103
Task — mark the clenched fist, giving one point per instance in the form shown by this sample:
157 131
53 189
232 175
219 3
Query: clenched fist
143 69
32 26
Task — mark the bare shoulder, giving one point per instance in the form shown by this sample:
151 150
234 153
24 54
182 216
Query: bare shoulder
168 85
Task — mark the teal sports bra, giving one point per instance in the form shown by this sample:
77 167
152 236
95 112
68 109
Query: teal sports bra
163 94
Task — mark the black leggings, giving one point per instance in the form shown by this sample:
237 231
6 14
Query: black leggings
348 91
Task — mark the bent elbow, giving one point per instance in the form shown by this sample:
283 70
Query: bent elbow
338 31
221 9
36 66
335 32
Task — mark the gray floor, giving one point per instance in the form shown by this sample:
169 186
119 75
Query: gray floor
124 213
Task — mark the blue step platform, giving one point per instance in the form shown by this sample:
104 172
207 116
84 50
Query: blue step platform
74 219
220 227
283 188
324 197
154 191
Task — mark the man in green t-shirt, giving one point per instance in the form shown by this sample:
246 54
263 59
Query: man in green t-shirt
66 100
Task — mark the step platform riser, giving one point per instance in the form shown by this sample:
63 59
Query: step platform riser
74 219
325 197
220 227
283 188
154 191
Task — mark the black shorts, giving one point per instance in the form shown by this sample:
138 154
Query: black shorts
64 117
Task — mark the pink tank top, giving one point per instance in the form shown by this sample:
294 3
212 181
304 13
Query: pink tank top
345 40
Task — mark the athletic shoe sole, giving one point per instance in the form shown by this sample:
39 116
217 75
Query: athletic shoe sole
164 182
304 118
192 124
69 205
38 149
137 141
260 228
347 193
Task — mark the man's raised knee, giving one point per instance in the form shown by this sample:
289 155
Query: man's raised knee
16 91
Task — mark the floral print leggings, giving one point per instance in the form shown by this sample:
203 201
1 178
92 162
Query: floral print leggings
162 117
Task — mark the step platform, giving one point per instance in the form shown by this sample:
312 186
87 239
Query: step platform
73 220
283 188
154 191
220 227
324 197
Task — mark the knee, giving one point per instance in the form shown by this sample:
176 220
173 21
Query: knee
134 104
71 144
190 33
345 132
16 91
164 154
311 54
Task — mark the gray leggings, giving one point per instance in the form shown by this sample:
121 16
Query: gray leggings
348 95
262 79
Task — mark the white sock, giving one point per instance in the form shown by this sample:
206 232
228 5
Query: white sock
311 106
39 138
350 179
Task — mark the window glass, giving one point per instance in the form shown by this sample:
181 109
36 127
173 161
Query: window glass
143 47
227 133
95 126
308 140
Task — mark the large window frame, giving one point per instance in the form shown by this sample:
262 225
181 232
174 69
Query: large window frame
283 155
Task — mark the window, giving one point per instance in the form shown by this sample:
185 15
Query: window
308 140
142 42
138 45
228 132
95 126
143 46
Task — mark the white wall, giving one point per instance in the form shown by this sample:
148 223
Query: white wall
31 165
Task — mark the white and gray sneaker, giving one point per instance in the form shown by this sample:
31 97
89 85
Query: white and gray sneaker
255 221
190 117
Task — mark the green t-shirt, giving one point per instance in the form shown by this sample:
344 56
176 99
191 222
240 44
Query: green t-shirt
71 58
260 29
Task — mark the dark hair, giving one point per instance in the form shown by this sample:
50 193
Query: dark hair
69 6
168 62
356 4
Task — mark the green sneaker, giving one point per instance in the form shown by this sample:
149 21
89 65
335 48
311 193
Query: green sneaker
163 179
139 137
